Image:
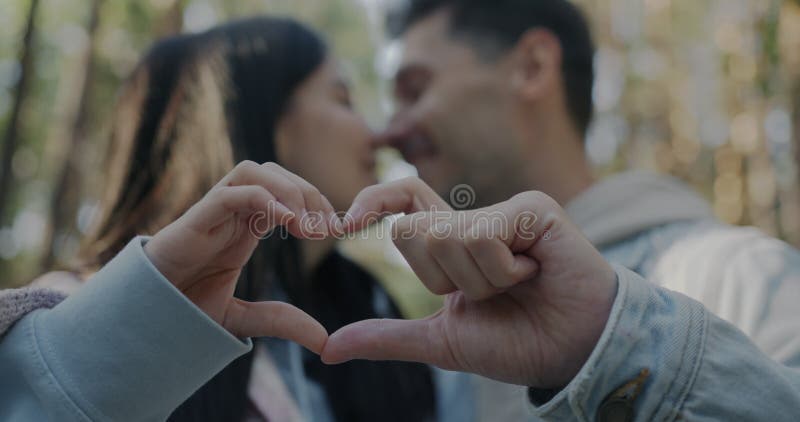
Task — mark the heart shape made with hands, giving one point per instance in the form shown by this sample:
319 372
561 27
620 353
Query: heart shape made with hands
527 295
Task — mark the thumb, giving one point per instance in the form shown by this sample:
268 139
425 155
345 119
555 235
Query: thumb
407 195
388 339
275 319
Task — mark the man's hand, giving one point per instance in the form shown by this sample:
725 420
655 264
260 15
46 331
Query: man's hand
527 295
203 252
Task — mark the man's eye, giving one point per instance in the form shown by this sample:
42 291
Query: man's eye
414 94
408 94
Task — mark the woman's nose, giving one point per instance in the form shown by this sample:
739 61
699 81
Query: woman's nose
380 139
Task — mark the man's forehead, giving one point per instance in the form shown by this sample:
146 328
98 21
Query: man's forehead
426 42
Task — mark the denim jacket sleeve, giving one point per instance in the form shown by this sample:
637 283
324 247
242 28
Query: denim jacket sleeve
126 346
698 367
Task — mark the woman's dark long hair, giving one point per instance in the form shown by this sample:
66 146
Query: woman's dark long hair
217 97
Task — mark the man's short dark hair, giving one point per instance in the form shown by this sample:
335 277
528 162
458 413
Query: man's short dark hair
495 26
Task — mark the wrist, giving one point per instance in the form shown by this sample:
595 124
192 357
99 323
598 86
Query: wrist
154 254
589 323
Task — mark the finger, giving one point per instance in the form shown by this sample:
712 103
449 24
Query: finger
532 216
407 195
459 266
316 221
334 222
275 319
222 203
409 236
285 191
501 267
388 339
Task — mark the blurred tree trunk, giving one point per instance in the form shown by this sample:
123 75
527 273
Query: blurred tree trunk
172 21
66 194
796 123
794 84
12 133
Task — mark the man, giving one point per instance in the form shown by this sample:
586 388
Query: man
531 302
497 95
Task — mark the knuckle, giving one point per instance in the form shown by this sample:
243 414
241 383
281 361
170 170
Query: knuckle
248 164
547 201
215 195
473 241
401 234
310 191
476 234
503 280
538 200
436 242
415 183
412 180
533 196
369 192
294 192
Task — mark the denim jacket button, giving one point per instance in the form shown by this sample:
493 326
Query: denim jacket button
615 410
618 406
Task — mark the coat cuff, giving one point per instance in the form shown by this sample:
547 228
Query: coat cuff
652 343
16 303
128 345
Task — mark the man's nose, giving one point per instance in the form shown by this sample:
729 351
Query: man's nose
381 139
393 135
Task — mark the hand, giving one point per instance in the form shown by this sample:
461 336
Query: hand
526 303
203 252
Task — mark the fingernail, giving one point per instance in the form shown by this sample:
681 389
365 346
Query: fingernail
302 218
336 224
324 227
354 214
282 210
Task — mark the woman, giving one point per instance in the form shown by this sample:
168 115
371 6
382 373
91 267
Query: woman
264 90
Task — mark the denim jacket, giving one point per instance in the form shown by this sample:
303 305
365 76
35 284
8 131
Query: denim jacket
716 326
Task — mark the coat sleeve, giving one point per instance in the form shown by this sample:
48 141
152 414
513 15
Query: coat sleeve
126 346
665 356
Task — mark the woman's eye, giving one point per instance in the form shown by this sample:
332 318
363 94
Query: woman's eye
345 101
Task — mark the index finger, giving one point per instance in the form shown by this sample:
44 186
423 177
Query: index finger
407 195
388 339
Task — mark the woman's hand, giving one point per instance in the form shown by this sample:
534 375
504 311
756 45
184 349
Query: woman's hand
203 252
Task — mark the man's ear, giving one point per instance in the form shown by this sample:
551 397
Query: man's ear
536 64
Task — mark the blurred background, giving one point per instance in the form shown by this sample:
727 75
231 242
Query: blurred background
708 91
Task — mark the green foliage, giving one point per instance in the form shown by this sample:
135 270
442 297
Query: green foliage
126 28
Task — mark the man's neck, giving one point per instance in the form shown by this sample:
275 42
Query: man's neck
561 167
563 179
